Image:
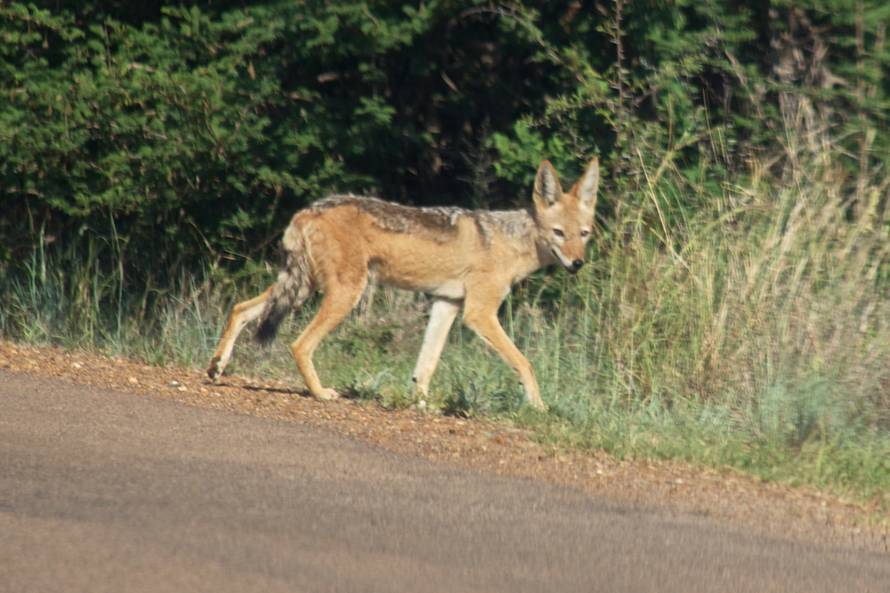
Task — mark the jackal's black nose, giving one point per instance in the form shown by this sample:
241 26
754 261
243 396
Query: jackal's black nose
576 265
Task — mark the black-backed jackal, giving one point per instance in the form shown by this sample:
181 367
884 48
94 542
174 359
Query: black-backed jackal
459 257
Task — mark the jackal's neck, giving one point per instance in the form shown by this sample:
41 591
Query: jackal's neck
521 231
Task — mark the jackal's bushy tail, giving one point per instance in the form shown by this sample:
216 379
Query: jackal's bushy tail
293 287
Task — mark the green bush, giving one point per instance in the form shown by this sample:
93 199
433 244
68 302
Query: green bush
197 128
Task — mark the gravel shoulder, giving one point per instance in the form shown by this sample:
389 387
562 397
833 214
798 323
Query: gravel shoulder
734 500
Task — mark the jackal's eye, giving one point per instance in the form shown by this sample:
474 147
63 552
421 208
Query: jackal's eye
559 233
584 233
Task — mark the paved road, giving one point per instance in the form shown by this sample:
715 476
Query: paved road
104 491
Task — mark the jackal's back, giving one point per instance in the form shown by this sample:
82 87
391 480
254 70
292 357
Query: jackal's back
441 223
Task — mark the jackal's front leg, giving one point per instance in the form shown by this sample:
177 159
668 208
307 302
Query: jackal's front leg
442 315
485 323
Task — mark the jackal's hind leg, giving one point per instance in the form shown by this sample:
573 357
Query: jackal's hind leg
242 314
442 315
335 306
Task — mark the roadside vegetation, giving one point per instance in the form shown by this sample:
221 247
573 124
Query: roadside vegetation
735 308
754 333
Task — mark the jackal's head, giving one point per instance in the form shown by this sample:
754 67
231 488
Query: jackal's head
565 220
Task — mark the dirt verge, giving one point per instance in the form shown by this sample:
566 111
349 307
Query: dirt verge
484 445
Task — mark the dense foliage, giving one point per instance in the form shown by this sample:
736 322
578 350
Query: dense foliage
188 132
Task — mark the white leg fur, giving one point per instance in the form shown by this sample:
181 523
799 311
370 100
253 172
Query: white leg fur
442 315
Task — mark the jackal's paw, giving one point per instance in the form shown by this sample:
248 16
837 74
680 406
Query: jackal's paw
213 371
327 394
537 404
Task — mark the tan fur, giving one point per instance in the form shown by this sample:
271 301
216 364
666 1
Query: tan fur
457 256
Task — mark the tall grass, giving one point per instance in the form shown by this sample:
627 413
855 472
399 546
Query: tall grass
752 331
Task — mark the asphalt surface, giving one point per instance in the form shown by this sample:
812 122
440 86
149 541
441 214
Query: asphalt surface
106 491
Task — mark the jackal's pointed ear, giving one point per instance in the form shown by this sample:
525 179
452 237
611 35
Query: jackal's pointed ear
547 191
587 187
